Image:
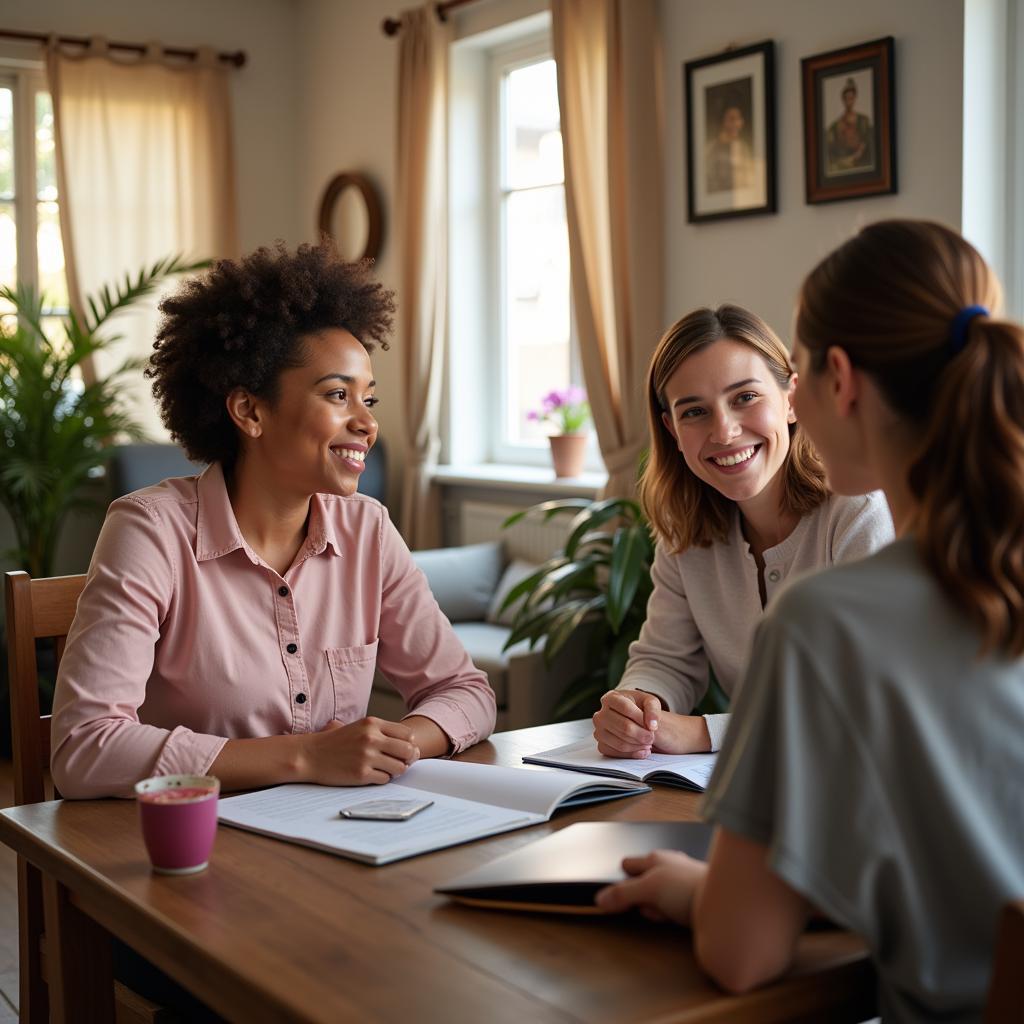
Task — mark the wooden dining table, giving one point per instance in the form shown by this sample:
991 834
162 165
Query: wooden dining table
273 931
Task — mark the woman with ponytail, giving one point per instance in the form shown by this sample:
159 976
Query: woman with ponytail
738 502
874 766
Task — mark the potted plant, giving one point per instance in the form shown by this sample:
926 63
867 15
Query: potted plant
599 582
567 409
55 429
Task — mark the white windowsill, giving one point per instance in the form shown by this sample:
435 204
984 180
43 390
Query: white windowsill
525 479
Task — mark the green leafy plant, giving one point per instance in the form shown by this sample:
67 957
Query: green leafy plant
600 582
55 429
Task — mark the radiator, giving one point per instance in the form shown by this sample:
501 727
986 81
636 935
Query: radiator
531 539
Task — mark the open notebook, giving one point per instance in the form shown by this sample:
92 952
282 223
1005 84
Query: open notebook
563 871
691 771
470 801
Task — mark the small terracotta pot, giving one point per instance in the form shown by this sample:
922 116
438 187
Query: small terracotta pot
567 453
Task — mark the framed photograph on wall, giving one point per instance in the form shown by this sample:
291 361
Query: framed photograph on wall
730 133
850 122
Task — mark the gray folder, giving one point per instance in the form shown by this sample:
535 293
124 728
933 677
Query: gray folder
563 871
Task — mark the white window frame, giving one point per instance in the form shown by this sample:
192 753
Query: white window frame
503 61
25 77
474 414
1015 161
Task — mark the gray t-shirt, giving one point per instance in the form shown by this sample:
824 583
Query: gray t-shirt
706 604
881 761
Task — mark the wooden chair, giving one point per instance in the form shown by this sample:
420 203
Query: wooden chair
43 609
1005 1004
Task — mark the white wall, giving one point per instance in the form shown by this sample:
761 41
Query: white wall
264 93
986 192
760 261
347 78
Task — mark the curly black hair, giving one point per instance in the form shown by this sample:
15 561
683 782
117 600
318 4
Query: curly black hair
242 323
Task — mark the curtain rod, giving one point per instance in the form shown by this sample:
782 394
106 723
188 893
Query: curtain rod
392 26
237 58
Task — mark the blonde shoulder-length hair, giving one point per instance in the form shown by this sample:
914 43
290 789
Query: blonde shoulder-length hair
684 510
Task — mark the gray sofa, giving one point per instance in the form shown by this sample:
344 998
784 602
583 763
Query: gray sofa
470 584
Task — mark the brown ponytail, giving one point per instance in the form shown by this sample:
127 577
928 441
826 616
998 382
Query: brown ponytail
889 298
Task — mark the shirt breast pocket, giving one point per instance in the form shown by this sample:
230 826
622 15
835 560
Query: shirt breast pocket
352 677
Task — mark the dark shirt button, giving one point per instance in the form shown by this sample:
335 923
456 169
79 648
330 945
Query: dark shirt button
283 591
292 648
300 698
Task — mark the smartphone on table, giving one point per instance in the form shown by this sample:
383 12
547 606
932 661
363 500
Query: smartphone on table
385 810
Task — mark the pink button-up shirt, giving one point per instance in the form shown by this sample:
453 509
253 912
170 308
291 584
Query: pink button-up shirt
185 638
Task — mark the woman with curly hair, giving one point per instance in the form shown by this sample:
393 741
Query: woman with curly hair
737 499
873 767
231 622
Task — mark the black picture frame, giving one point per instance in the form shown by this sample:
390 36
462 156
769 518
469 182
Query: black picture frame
849 98
730 133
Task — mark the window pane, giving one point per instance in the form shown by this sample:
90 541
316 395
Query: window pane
52 283
533 141
8 245
46 167
537 306
8 262
6 143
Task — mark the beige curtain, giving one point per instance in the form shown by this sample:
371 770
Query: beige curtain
609 95
422 192
144 170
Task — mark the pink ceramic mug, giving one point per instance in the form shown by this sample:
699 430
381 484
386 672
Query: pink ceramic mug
179 820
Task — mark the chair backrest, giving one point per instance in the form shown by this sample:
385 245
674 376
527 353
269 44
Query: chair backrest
36 609
373 481
1005 1004
134 466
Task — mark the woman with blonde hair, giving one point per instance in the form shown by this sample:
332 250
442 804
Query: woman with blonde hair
738 502
873 768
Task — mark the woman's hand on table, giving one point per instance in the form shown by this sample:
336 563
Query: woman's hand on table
371 751
632 723
661 887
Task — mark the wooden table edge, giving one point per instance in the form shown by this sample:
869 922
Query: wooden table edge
93 895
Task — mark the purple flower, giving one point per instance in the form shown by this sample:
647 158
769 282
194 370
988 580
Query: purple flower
566 408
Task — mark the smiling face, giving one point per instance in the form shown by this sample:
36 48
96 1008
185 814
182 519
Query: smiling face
730 419
314 437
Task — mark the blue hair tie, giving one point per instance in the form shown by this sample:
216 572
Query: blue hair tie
958 328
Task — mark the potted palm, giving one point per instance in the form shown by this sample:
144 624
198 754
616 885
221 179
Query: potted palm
600 582
55 429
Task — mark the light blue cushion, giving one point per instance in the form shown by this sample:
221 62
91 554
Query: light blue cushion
463 580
